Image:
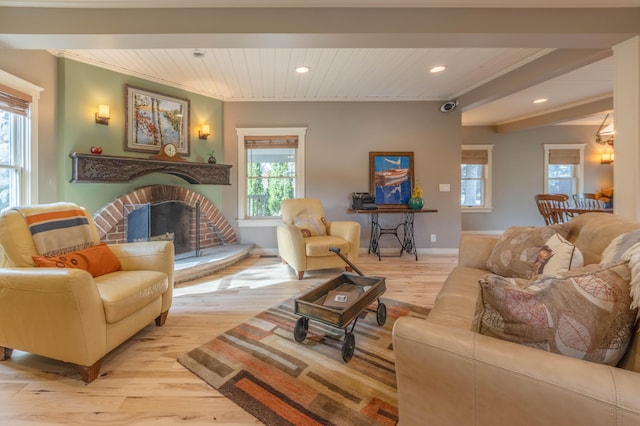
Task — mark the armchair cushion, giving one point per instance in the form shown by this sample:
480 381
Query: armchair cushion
310 226
97 260
319 246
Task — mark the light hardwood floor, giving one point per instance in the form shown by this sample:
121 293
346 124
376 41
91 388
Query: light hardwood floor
142 383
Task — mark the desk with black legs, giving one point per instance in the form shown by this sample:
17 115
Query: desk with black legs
407 243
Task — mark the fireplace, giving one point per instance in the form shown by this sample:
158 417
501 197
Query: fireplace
187 218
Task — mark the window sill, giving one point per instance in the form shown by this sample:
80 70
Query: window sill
259 223
477 210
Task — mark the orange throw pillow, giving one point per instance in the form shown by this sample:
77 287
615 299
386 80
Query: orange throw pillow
97 260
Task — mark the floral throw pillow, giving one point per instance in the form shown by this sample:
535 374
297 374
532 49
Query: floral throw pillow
517 252
583 314
310 226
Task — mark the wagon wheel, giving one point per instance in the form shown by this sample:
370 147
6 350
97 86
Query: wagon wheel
381 313
300 329
348 346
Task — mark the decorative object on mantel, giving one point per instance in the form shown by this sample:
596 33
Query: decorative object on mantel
96 150
111 169
211 158
168 152
416 202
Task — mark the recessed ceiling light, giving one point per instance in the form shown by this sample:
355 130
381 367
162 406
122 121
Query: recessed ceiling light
540 100
438 68
302 69
199 53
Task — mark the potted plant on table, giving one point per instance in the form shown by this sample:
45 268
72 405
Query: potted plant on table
606 196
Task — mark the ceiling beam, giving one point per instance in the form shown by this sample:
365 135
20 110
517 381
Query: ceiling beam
68 28
554 64
558 116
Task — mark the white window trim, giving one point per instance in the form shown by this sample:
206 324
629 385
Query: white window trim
29 179
488 207
580 168
243 221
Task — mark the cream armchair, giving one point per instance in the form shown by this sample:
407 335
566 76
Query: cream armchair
304 237
67 314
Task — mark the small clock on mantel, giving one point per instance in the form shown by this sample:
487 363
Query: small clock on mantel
168 152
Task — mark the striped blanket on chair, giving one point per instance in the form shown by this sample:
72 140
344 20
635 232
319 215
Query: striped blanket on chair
58 228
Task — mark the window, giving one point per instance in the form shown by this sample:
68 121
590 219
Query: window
563 168
18 124
270 170
475 175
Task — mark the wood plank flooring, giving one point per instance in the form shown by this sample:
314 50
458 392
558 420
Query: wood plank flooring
142 383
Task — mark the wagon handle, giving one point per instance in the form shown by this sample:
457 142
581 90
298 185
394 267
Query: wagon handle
336 250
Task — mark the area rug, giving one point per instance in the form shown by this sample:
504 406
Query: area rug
261 367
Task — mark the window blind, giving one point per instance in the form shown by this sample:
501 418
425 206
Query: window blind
285 141
14 101
564 156
475 156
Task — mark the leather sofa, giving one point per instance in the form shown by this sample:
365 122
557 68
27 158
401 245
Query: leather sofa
67 314
449 375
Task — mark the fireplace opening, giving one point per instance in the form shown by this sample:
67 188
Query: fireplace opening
168 220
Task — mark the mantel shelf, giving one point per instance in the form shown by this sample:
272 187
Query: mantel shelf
112 169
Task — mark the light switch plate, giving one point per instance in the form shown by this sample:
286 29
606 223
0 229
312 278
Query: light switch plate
445 187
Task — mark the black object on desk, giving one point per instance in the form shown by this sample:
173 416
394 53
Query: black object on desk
407 244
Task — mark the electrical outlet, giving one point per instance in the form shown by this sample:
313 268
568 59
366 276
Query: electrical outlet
433 238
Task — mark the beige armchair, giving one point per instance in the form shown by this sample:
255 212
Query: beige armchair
304 237
67 314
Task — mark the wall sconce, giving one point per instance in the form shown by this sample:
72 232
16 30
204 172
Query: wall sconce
607 158
102 116
204 132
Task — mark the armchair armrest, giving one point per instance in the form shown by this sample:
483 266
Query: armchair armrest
475 250
148 256
451 376
45 301
349 231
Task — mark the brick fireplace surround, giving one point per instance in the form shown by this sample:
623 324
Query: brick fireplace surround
215 230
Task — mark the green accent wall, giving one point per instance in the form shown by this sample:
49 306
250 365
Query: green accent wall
81 88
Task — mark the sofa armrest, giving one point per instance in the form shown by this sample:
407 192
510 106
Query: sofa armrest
36 304
475 250
451 376
149 256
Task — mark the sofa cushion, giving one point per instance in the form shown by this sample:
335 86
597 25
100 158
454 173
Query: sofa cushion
310 226
125 292
584 314
97 260
557 255
516 254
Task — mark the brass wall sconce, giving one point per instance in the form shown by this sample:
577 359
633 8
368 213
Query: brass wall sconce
103 116
607 158
204 132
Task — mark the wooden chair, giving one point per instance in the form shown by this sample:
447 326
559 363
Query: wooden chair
588 201
553 208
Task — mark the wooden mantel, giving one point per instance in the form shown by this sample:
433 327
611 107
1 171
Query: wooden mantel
112 169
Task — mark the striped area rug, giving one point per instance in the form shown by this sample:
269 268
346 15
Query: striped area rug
260 367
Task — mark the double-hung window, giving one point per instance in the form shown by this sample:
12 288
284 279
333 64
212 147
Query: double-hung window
475 175
564 168
17 159
271 169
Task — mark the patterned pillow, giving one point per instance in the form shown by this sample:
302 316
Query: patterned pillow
583 314
557 255
516 254
97 260
310 226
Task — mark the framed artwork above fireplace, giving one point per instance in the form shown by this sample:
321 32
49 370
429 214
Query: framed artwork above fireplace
153 119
